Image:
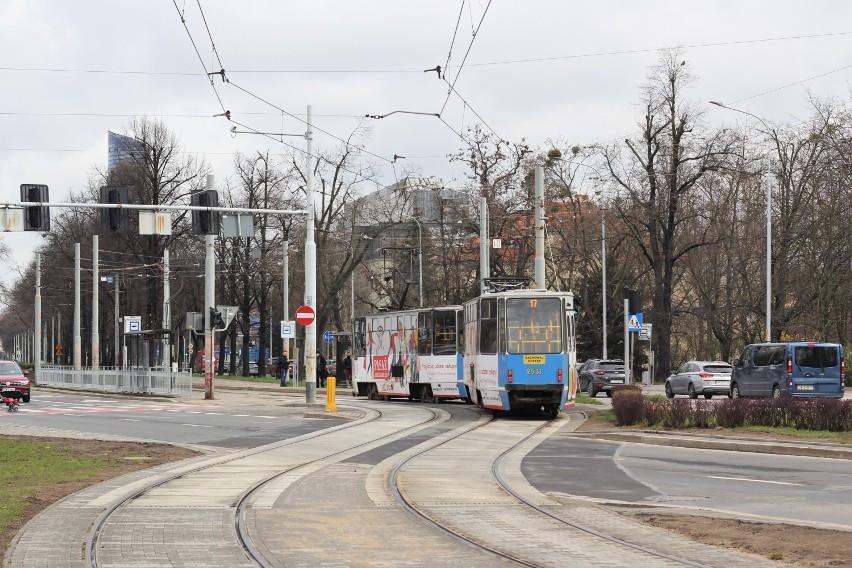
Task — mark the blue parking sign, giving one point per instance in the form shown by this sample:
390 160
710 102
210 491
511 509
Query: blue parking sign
328 337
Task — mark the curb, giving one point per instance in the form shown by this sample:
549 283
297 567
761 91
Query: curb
771 447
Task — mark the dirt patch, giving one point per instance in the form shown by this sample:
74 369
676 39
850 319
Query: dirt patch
787 544
798 546
123 457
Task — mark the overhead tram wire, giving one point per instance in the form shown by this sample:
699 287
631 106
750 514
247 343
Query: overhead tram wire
227 113
201 59
453 41
291 115
467 104
466 53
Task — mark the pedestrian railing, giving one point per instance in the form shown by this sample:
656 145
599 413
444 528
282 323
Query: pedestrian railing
147 381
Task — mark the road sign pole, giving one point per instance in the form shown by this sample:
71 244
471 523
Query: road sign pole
627 369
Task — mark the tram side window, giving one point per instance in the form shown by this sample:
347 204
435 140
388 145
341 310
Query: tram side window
424 333
460 330
534 325
445 333
359 338
488 326
501 309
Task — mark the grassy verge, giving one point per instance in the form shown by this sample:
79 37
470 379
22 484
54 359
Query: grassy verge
29 466
585 399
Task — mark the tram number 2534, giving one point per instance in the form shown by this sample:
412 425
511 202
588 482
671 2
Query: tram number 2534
533 371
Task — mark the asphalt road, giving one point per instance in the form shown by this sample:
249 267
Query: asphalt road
231 421
791 488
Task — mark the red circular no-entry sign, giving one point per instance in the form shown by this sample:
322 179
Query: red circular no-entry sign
305 315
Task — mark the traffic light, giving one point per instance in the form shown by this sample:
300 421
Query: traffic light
35 218
634 300
114 220
216 320
205 222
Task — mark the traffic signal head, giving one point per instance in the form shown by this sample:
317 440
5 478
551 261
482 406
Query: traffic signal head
216 320
35 218
205 222
114 220
634 300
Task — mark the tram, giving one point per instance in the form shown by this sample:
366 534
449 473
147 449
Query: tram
519 348
408 353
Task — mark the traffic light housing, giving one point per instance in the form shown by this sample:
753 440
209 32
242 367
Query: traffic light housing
205 222
634 300
114 220
35 218
216 320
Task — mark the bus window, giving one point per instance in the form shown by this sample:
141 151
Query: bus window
445 333
488 325
424 333
534 325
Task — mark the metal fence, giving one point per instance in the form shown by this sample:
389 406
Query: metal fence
148 381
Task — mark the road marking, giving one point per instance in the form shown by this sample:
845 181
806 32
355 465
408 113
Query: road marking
754 480
198 425
131 419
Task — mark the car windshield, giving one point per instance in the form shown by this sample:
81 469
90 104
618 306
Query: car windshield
611 366
718 369
10 369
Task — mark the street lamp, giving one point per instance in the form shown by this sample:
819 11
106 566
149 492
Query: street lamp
419 252
768 224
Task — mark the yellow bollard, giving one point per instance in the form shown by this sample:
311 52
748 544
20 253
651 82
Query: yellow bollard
330 385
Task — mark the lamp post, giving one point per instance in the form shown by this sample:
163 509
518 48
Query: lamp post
768 224
419 252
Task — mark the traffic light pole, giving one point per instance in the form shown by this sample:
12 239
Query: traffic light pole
209 306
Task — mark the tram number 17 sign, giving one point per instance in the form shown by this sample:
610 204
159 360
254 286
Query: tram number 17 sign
305 315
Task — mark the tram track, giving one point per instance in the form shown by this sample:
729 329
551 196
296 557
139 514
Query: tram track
496 524
375 413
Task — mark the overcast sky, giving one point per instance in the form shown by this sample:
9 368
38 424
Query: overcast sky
536 69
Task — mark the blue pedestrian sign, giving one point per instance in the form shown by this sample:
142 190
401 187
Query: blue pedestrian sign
634 322
328 337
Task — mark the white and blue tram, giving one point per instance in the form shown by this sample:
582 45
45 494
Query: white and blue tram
409 353
520 350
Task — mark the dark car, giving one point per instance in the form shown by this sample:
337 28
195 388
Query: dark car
596 375
332 368
14 383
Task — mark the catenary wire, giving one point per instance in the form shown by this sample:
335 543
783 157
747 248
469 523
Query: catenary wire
453 41
466 53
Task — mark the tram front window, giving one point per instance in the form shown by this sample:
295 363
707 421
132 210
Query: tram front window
534 325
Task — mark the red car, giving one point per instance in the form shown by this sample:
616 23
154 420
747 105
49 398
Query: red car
14 383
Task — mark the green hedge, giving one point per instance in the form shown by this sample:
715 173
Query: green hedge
828 414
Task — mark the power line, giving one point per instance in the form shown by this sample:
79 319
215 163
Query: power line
655 49
200 59
792 84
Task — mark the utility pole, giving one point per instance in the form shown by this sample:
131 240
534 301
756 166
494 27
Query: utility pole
115 348
310 274
538 211
484 245
209 305
78 344
38 317
96 282
166 354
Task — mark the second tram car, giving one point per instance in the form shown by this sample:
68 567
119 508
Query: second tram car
520 350
409 353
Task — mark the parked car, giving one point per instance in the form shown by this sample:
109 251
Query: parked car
14 383
596 375
700 377
793 368
332 368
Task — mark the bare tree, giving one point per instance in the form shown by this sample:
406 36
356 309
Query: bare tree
659 171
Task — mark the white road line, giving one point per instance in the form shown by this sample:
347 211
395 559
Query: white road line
198 425
754 480
131 419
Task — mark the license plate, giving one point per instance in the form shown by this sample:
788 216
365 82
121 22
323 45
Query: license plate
8 389
618 381
806 387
